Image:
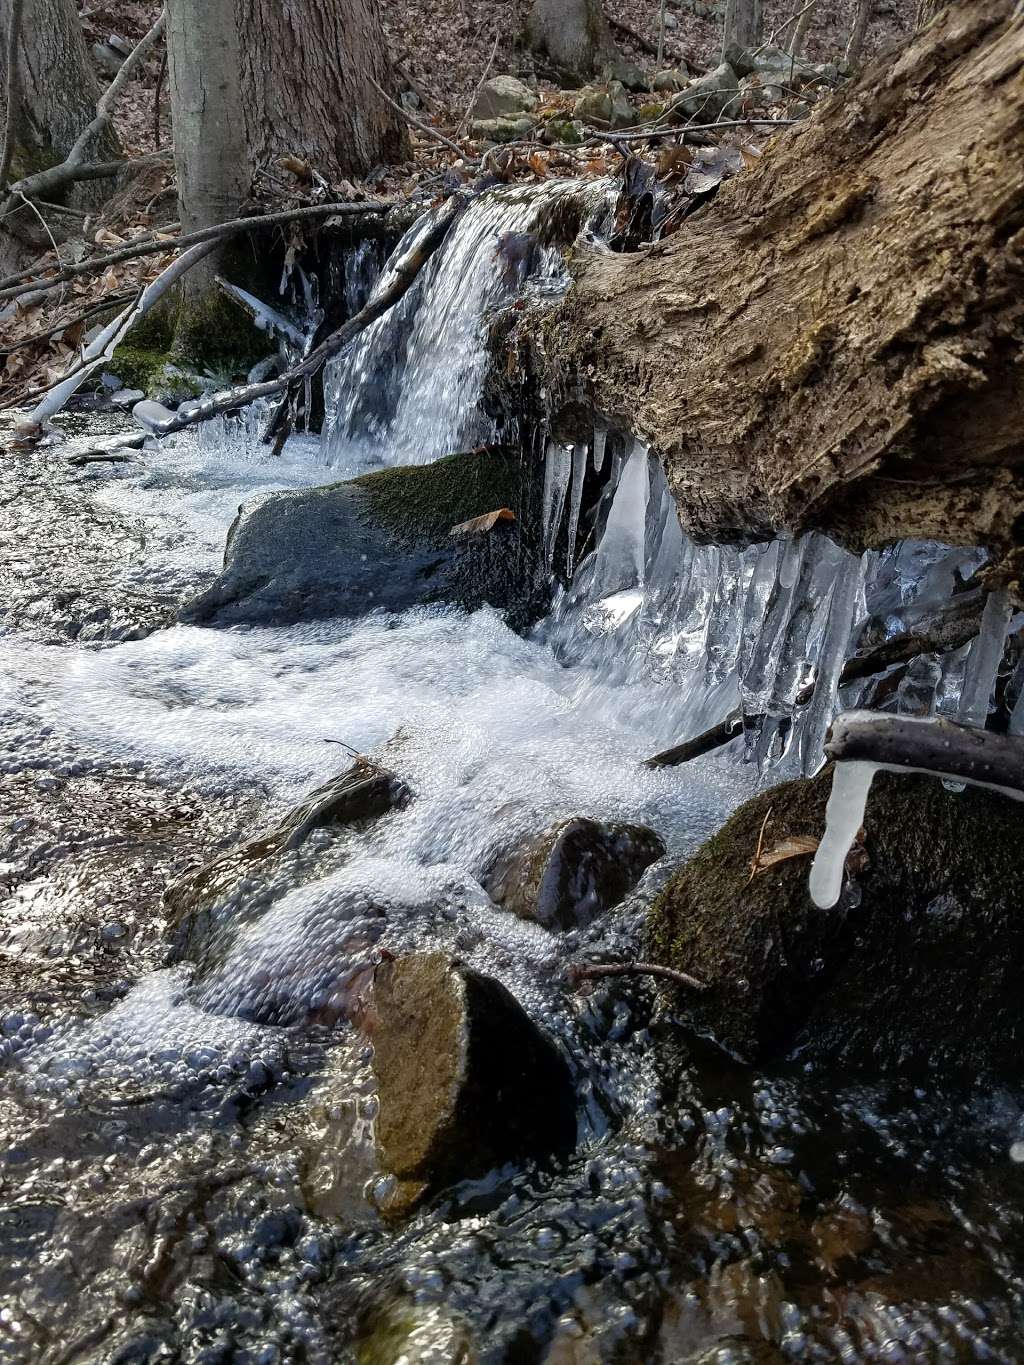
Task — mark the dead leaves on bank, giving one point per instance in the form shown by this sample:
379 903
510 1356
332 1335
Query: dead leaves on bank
799 846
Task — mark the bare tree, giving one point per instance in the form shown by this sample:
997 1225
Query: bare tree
861 18
927 10
744 25
572 36
55 95
252 81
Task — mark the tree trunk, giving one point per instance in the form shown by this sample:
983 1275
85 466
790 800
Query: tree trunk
573 36
855 45
801 29
58 95
837 340
254 80
744 26
926 11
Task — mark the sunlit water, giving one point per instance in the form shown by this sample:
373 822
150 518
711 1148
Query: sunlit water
165 1147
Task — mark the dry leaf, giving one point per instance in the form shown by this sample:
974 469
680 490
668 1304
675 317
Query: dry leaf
104 237
796 846
538 165
478 525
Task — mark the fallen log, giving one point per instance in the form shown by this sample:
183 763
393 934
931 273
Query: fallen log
836 340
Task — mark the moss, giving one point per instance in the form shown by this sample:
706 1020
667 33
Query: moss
647 113
213 333
418 503
922 966
137 367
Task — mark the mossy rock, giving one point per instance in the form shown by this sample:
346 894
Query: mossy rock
385 541
918 966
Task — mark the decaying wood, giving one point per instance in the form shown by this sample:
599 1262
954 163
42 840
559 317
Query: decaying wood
590 971
836 340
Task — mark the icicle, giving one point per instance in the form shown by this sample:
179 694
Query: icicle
600 441
834 649
983 661
579 474
557 469
760 676
916 694
844 816
620 559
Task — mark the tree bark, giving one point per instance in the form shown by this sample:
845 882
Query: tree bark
926 11
573 36
58 95
855 45
254 80
743 27
837 340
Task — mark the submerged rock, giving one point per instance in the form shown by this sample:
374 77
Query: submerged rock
384 541
363 792
572 872
920 963
466 1081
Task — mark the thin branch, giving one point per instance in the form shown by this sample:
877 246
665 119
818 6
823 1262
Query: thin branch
56 177
13 90
17 284
101 306
463 123
416 123
588 971
675 130
156 98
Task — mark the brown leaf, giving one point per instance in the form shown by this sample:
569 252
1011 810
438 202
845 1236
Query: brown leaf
538 164
479 525
796 846
673 162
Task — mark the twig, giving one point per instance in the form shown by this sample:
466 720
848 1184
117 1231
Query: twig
17 284
13 90
102 306
587 971
417 123
675 130
56 177
479 86
156 98
405 273
413 84
46 228
756 863
780 30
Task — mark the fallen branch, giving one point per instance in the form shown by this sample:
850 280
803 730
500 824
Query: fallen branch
160 422
13 90
646 45
464 121
15 285
101 306
416 123
56 177
588 971
102 348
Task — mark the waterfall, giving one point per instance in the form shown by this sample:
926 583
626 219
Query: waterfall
407 391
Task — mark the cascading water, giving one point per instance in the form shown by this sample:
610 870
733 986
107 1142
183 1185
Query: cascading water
407 391
157 1124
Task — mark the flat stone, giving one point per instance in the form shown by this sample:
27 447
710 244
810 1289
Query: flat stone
506 129
572 872
466 1081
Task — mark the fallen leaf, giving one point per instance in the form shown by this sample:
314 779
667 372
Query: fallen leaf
479 525
796 846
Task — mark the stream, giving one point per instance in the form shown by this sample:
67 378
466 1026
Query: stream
172 1140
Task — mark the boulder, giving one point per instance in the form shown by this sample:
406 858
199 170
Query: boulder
503 97
572 872
628 73
623 114
466 1081
920 963
362 793
593 104
564 130
671 80
383 541
710 96
507 129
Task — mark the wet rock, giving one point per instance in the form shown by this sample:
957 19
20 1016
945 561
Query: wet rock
466 1081
383 541
502 97
404 1333
362 793
572 872
918 966
710 96
508 129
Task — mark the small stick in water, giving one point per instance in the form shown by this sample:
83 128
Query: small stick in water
587 971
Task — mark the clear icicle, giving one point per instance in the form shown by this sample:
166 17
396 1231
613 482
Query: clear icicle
600 441
844 816
579 474
834 649
557 470
621 556
983 661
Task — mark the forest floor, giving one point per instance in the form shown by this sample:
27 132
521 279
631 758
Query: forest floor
441 50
